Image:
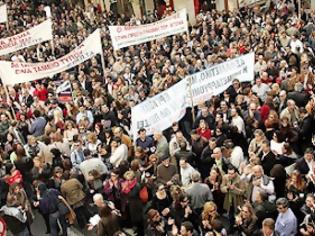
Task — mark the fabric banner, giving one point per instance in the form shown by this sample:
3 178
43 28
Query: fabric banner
3 14
159 112
20 72
124 36
64 92
216 79
33 36
250 3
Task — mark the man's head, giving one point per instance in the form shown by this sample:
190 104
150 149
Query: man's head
142 133
258 171
118 132
183 163
310 201
282 205
186 229
268 226
98 200
234 112
217 153
165 161
265 146
232 172
309 154
195 177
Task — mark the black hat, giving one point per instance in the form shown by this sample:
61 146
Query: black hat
165 157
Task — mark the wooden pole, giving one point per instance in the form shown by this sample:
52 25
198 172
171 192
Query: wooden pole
192 100
299 9
9 100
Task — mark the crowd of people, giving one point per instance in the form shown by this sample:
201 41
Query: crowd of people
241 163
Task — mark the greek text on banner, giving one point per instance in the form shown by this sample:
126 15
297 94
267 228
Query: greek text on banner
124 36
33 36
159 112
19 72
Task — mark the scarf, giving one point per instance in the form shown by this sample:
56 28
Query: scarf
128 186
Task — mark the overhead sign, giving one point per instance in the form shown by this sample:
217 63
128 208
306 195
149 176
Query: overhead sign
20 72
33 36
124 36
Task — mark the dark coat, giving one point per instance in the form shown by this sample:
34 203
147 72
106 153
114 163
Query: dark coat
268 161
132 206
302 166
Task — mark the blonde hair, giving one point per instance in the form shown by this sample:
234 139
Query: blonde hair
129 175
208 208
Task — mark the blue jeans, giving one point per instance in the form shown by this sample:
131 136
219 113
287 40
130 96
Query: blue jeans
25 232
53 218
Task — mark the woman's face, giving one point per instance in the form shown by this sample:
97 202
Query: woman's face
202 125
213 174
69 126
245 213
9 137
17 189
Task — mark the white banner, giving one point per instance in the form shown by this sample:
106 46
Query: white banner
3 14
218 78
124 36
250 3
159 112
33 36
20 72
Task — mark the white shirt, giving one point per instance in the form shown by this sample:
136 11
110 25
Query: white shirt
276 147
120 154
185 174
239 123
237 157
269 189
295 44
261 90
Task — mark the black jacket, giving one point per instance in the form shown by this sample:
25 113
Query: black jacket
302 166
268 161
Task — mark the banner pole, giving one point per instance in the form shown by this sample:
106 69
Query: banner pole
192 101
103 66
9 99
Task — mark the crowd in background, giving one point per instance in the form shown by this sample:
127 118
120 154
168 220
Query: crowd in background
241 163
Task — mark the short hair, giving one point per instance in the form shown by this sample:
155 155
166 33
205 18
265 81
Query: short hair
282 202
269 222
98 196
188 226
195 176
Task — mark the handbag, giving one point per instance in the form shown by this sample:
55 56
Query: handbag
62 208
66 210
71 217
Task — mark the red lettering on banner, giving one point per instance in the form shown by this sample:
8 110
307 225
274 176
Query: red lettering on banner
14 65
23 71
